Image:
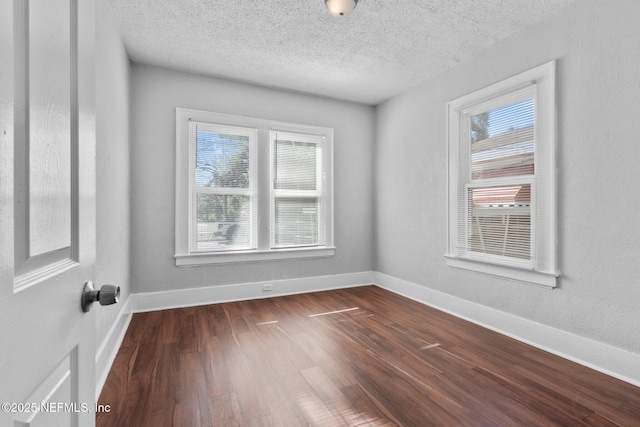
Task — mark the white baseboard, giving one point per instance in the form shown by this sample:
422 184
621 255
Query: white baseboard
596 355
108 350
150 301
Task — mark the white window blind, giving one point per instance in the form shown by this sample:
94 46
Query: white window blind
496 180
222 187
502 183
297 190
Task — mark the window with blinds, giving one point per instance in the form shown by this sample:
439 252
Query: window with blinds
251 189
222 187
496 180
501 167
297 190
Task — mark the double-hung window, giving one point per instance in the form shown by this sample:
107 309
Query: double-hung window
222 187
251 189
501 142
297 193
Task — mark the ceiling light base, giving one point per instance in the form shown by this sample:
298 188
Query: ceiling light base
340 8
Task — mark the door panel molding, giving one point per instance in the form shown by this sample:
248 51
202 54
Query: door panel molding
30 267
55 396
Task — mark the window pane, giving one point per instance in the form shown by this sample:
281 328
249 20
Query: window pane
222 221
295 165
500 221
222 160
502 141
296 222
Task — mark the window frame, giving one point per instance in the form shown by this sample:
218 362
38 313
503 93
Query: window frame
542 269
261 192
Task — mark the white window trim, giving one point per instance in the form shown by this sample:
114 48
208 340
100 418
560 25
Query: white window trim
184 256
543 271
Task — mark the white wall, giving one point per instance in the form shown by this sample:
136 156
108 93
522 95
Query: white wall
597 45
112 169
156 92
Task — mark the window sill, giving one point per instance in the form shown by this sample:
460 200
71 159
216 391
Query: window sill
193 260
547 280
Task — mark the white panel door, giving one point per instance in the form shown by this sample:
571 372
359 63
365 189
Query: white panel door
47 212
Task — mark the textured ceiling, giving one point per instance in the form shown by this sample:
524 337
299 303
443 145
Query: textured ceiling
384 47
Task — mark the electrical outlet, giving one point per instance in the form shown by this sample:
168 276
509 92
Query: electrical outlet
267 288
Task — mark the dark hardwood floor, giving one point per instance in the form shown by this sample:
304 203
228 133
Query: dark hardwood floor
352 357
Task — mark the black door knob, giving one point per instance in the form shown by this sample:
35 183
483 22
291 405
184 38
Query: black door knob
106 295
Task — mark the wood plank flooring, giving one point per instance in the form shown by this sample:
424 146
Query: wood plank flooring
351 357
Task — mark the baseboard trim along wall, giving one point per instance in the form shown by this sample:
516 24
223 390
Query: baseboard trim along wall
150 301
108 350
596 355
602 357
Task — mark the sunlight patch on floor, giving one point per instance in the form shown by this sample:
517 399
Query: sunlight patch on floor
334 312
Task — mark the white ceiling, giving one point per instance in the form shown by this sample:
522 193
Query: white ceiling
384 47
